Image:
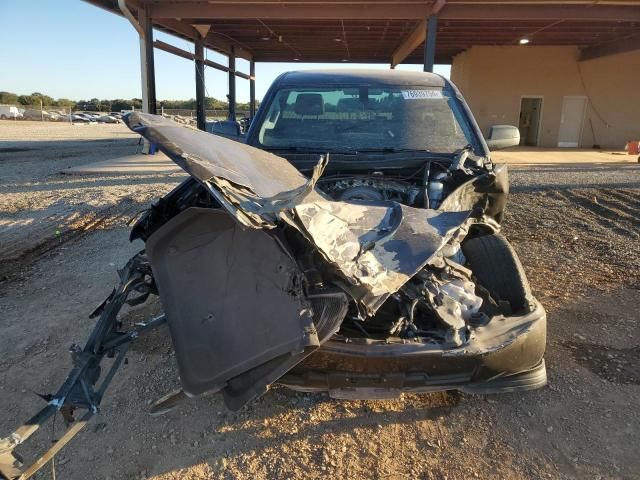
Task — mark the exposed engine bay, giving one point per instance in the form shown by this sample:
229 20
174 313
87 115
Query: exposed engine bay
409 314
441 302
426 188
438 305
376 186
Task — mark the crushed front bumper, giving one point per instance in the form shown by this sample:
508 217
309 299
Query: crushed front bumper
506 355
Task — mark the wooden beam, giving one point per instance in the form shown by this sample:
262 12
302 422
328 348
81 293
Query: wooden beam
415 38
623 45
542 11
166 47
405 10
212 40
219 42
160 45
293 11
409 44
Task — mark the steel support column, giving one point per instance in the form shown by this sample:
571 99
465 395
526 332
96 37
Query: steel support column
232 84
430 43
252 89
200 100
148 64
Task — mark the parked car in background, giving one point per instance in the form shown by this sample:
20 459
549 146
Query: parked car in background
79 118
82 117
107 119
36 114
93 115
57 116
9 112
67 117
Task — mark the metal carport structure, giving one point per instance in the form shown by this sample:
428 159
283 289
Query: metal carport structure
358 31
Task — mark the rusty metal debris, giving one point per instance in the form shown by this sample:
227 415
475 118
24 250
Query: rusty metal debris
81 391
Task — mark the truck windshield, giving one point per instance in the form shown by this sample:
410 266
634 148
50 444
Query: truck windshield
366 119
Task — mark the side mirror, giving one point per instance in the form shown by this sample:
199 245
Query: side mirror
503 136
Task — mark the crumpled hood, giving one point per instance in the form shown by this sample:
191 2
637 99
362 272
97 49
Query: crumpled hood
252 184
378 246
375 246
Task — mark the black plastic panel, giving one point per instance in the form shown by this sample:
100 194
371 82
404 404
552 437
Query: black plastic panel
233 303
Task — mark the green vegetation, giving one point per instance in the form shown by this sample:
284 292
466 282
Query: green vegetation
96 104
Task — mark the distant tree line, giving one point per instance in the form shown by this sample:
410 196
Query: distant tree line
96 104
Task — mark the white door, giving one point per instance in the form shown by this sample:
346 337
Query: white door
573 109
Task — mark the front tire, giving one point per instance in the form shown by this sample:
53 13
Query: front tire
496 267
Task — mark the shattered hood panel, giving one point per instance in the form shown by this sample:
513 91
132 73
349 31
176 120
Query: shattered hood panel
378 246
205 156
253 185
375 246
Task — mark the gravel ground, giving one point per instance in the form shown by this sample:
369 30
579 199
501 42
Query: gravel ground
576 230
40 208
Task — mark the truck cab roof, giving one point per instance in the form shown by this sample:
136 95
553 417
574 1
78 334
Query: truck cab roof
356 76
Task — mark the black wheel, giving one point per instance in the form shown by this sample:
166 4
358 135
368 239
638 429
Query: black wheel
496 267
3 117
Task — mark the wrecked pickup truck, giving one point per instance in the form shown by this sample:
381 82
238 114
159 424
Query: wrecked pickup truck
349 244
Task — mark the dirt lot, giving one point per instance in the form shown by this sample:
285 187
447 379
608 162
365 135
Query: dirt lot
576 229
40 208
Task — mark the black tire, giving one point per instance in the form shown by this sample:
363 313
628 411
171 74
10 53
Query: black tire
496 267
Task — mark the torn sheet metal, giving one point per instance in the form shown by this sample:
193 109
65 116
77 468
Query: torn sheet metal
205 156
376 246
251 183
487 192
257 212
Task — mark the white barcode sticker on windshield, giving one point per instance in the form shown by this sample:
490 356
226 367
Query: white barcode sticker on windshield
419 94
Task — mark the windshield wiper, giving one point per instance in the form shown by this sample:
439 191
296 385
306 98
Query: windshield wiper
352 151
391 150
311 150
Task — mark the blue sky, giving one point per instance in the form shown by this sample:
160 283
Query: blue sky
69 48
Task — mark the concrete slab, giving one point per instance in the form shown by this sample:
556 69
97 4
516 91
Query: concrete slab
130 164
547 156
